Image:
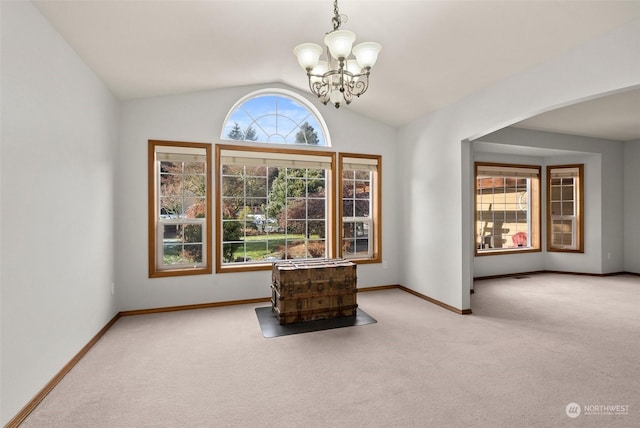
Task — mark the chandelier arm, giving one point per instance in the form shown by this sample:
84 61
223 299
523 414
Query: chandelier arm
359 87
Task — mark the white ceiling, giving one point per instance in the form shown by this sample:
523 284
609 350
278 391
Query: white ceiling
444 50
614 117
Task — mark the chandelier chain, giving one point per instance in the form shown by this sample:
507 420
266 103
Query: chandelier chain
336 20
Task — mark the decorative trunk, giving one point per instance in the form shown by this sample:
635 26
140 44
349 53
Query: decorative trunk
307 290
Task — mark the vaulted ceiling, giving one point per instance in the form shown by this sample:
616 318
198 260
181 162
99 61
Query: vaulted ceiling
434 52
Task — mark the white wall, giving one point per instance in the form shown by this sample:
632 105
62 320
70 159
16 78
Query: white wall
435 155
632 206
603 216
199 117
59 127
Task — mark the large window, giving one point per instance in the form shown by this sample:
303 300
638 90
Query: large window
507 214
564 208
179 208
273 205
360 207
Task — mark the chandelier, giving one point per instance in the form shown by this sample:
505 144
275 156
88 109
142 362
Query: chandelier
340 76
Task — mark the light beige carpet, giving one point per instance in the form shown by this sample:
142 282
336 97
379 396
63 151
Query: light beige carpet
531 347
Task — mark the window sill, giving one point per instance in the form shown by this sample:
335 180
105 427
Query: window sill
244 267
502 251
364 260
179 272
268 265
564 250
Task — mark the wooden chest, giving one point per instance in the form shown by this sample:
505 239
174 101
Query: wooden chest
307 290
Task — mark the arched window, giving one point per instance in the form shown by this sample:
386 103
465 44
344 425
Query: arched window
275 116
277 203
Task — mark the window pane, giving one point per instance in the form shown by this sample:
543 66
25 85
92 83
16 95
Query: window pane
193 233
195 185
296 249
348 208
348 188
194 167
362 246
255 171
232 231
567 208
232 208
349 247
170 184
362 175
256 250
232 170
317 249
232 186
317 229
171 233
297 227
192 253
194 208
172 254
348 230
256 187
256 206
316 209
361 208
362 190
296 187
170 207
296 209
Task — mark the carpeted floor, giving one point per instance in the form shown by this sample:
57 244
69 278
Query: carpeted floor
532 347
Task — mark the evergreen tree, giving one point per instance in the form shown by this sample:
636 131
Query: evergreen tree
250 135
236 132
307 135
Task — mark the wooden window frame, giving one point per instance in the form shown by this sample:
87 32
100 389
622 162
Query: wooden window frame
330 243
535 212
578 231
153 212
376 208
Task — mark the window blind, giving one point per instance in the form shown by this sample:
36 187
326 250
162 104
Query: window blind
367 164
274 159
180 154
564 172
507 171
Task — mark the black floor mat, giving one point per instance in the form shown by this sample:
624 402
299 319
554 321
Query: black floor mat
272 328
